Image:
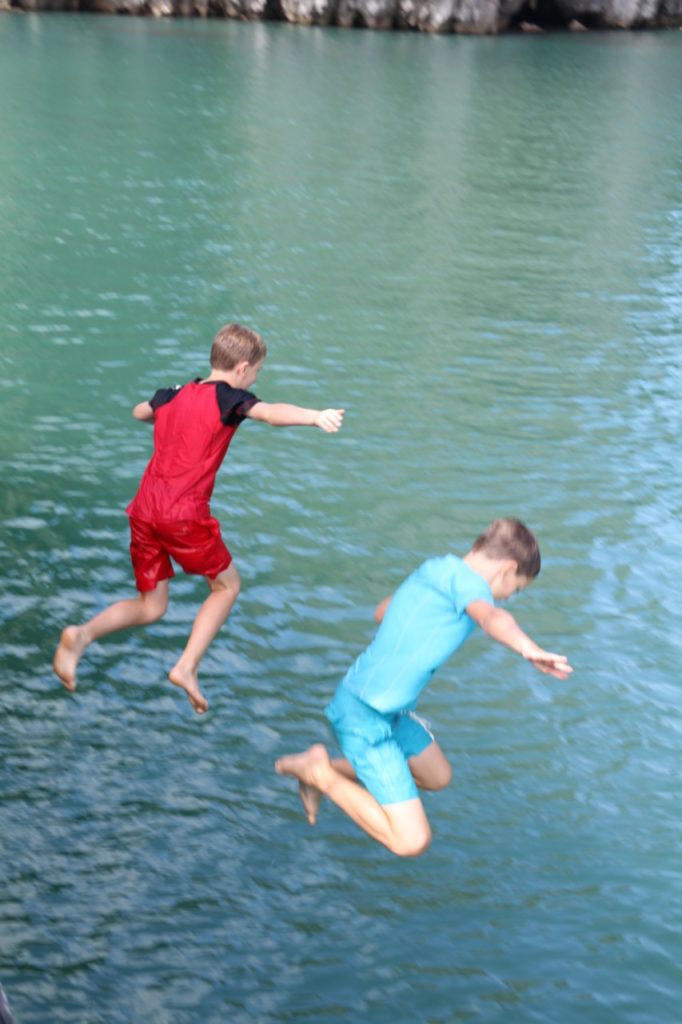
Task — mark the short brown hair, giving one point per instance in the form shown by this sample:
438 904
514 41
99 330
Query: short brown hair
510 538
234 343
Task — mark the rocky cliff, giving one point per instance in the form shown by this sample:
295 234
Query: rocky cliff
465 16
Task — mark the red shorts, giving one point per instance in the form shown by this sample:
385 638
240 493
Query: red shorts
195 544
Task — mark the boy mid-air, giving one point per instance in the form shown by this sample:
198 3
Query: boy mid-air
170 515
386 746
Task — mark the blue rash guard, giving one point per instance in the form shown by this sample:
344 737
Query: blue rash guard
425 622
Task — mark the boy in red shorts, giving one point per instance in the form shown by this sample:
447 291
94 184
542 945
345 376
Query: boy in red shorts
170 515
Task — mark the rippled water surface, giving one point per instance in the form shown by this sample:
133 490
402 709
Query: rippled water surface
474 246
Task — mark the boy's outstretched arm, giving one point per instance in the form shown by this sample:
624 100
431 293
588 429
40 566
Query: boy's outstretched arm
144 412
503 627
280 414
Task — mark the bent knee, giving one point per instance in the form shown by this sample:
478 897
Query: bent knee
154 609
228 581
413 845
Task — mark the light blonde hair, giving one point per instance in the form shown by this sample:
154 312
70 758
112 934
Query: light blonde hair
233 344
510 538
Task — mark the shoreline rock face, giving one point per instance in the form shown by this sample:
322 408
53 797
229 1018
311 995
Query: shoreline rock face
466 17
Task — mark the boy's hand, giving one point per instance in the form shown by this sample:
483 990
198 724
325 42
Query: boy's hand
329 420
503 627
544 661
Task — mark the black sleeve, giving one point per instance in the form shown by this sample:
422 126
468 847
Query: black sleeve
162 396
234 403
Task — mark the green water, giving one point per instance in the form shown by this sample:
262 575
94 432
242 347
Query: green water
474 245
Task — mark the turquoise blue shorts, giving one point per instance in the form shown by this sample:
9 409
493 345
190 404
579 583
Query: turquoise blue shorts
378 745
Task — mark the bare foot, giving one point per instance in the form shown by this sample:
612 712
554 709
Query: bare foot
72 643
310 798
307 767
189 682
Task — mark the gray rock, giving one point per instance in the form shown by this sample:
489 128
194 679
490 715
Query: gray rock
463 16
670 12
370 13
610 13
309 12
476 16
426 15
246 10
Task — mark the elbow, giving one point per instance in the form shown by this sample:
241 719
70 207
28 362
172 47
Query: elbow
494 621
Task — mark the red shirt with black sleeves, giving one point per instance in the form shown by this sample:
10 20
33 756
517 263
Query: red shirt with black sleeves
193 427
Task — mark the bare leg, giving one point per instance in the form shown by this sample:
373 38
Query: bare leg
311 796
147 607
402 827
430 769
210 617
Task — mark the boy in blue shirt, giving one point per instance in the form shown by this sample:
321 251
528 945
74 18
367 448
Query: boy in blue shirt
386 746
